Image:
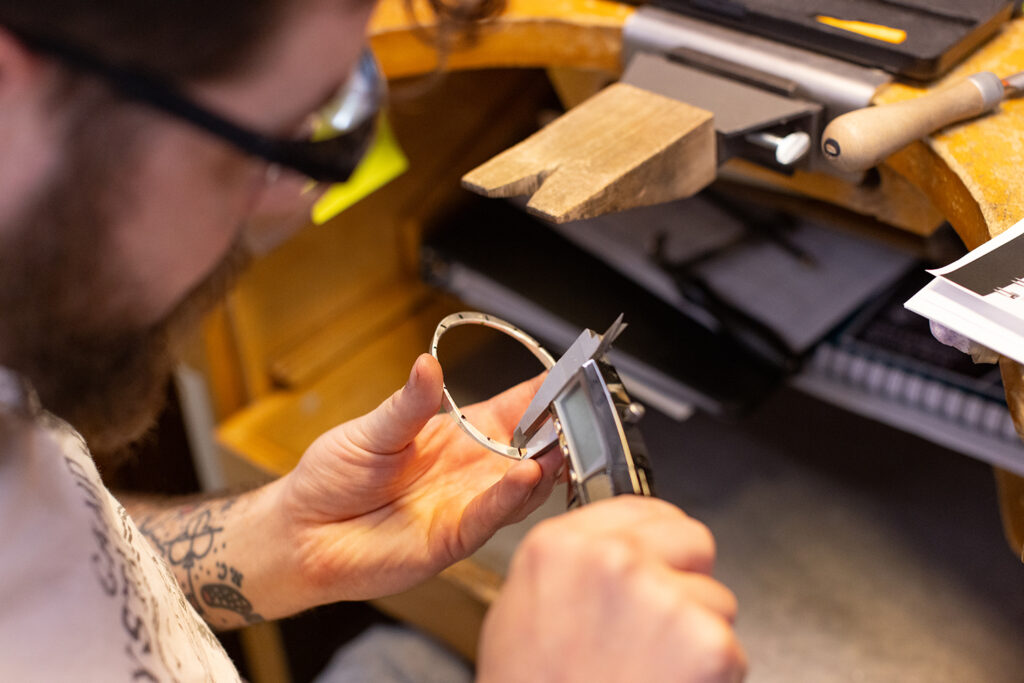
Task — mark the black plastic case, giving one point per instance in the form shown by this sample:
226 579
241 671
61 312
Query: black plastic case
939 32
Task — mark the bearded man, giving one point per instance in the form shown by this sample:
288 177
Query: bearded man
135 143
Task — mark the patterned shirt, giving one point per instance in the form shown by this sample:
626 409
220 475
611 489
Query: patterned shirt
83 595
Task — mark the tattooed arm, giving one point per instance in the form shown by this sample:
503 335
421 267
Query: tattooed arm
385 501
375 506
208 544
382 502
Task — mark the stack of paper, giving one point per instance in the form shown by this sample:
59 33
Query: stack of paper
981 296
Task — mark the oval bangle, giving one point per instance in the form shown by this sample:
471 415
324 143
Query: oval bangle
449 405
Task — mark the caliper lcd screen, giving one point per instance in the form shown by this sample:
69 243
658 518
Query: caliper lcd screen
580 425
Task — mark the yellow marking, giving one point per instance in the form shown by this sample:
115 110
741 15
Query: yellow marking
383 163
886 34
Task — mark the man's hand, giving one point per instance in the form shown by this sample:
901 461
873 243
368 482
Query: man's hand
375 506
617 591
385 501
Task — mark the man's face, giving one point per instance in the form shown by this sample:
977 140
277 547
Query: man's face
130 221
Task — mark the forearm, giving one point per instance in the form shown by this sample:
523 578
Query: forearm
225 553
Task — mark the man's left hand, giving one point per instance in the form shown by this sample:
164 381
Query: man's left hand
382 502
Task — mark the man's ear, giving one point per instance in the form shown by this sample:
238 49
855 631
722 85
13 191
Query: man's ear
20 68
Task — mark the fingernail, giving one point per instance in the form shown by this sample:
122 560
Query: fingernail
413 375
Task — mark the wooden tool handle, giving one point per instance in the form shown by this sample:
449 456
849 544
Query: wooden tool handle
861 139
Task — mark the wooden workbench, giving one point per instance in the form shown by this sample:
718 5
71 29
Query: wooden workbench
289 357
970 174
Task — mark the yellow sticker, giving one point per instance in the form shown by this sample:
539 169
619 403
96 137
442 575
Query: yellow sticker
383 163
886 34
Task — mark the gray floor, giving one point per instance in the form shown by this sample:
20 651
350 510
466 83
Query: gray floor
858 553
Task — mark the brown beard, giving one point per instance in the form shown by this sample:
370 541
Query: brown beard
65 308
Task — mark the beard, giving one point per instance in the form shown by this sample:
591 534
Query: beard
66 310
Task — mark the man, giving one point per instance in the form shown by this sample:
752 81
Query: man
120 212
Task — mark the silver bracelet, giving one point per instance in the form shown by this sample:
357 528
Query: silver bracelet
474 318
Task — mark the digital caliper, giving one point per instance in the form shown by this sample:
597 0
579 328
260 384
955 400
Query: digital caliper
594 420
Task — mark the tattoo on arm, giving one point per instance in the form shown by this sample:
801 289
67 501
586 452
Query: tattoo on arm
190 538
228 597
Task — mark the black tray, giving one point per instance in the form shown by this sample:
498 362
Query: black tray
939 32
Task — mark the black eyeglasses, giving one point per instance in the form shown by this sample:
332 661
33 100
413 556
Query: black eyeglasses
342 129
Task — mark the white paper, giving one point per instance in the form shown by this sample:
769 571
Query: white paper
981 295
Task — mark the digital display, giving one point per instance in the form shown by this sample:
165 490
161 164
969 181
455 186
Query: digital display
581 428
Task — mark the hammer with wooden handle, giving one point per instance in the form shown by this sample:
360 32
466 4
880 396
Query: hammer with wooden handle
860 139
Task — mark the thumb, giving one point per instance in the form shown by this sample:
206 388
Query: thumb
393 424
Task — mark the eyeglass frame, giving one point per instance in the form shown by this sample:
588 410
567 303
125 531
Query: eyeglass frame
330 157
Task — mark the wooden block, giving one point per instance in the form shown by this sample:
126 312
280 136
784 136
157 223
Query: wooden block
265 653
624 147
1011 507
273 432
1009 485
892 200
353 329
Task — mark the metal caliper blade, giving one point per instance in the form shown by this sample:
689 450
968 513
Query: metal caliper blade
610 335
587 346
1014 84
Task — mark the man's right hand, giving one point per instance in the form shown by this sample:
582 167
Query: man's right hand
615 591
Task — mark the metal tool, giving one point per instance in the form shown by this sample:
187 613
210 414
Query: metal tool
588 346
585 402
597 432
787 150
760 91
595 420
859 140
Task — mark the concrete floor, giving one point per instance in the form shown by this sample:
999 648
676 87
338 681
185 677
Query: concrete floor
857 552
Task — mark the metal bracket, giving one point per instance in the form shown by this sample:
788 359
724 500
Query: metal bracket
740 77
741 112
